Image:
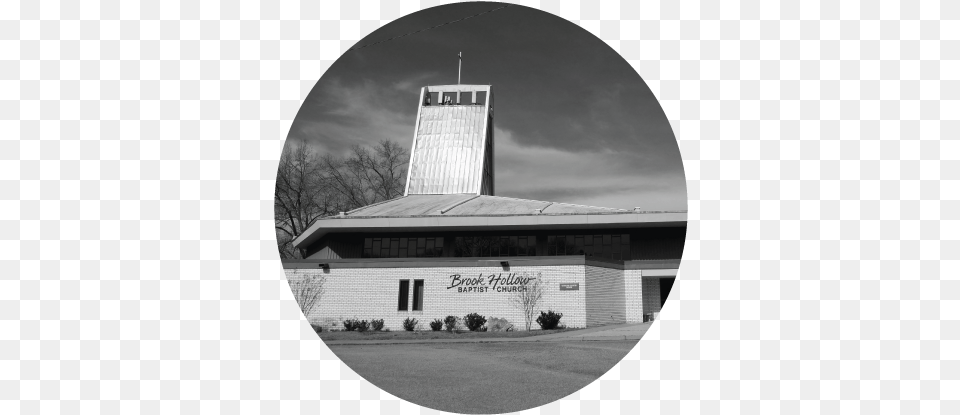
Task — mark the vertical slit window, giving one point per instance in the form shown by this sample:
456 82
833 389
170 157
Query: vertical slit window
404 295
417 295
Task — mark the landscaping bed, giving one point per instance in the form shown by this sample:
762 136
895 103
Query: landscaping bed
431 335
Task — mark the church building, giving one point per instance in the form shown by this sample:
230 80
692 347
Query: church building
450 246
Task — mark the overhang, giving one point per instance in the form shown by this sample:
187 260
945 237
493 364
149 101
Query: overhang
437 223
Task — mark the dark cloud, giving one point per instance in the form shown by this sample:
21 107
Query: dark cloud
575 123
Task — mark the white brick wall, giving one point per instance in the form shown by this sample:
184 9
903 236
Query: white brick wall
372 293
633 287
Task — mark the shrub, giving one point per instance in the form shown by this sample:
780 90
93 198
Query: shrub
350 325
317 328
361 325
376 325
549 320
436 325
474 321
450 322
499 324
409 324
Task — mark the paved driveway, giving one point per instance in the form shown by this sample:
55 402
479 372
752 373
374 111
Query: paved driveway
483 377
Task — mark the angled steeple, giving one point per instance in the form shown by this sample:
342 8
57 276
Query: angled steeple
452 150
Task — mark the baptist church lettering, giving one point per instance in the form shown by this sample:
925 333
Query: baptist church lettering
512 282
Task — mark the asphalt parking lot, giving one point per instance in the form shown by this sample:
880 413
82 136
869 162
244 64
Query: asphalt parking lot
483 377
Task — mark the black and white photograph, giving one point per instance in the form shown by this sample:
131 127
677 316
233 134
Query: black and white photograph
534 207
480 197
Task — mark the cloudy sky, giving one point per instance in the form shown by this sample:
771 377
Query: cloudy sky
574 121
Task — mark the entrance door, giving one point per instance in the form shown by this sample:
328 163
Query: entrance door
665 285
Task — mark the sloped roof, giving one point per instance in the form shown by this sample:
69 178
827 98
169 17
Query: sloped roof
448 212
472 205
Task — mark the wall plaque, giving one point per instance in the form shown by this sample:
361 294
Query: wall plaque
572 286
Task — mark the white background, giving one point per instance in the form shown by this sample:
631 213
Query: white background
138 146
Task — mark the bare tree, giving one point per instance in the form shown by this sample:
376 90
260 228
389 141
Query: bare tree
300 197
368 176
310 186
528 300
308 290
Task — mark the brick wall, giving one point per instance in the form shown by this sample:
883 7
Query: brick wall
633 290
372 293
605 299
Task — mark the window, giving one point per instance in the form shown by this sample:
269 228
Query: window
612 246
481 98
417 295
404 295
465 98
434 98
495 246
449 98
402 247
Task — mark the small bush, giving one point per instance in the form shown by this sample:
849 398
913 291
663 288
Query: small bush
436 325
362 326
450 322
549 320
350 325
409 324
317 328
499 324
474 321
376 325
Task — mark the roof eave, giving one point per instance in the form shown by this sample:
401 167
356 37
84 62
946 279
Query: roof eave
493 222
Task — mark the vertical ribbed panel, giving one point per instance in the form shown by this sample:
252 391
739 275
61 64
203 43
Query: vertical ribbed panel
605 298
448 153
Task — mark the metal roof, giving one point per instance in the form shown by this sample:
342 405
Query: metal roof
472 205
415 213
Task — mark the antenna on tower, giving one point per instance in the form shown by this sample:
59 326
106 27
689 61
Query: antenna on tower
459 64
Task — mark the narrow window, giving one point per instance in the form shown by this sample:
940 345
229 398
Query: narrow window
417 295
481 97
434 98
404 295
465 98
395 248
625 249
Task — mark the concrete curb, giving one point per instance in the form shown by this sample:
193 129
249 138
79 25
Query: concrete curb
594 334
494 340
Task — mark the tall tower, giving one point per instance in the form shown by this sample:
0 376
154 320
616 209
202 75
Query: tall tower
452 148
